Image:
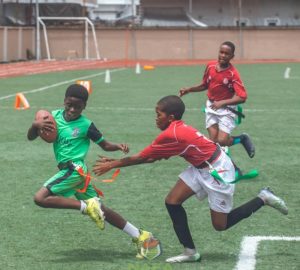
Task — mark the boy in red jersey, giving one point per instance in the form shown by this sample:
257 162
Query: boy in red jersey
225 91
179 139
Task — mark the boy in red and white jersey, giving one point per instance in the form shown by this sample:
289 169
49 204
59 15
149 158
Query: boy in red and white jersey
179 139
225 90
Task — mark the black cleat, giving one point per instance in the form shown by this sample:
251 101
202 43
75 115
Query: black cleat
248 145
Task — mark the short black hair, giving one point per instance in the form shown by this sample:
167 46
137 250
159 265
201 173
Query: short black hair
229 44
172 105
78 91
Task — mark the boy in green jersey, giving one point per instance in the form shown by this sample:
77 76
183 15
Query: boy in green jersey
74 132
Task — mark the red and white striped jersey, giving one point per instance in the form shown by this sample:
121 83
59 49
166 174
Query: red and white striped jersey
223 84
182 140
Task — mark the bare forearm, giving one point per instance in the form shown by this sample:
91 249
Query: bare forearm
108 146
128 161
234 100
103 165
111 147
196 88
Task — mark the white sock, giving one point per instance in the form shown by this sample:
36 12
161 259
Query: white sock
189 251
131 230
82 206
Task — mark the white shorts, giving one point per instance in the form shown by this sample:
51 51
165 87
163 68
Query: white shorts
223 117
220 195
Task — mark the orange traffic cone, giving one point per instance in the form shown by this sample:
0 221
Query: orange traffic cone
86 84
148 67
21 103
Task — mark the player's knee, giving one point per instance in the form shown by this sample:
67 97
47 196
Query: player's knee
39 200
171 200
219 226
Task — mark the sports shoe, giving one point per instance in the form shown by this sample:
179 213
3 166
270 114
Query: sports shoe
184 257
248 145
93 209
147 246
267 195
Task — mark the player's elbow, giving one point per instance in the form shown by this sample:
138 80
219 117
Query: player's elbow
243 99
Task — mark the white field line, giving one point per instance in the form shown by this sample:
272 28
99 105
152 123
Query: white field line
136 109
60 83
189 109
249 246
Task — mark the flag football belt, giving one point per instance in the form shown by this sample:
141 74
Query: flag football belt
215 174
87 177
214 156
238 112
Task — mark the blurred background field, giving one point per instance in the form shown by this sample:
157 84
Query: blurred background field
36 238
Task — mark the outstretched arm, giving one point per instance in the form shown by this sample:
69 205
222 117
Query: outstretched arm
108 146
197 88
104 164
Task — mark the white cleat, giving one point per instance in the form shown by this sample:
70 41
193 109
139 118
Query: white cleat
184 258
267 195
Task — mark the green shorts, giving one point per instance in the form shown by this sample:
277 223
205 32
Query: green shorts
67 181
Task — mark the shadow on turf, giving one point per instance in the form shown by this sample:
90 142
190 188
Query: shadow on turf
218 256
110 255
81 255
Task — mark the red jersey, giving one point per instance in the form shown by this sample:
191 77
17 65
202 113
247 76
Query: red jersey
182 140
223 84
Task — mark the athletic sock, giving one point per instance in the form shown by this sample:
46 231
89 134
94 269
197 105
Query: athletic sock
131 230
82 206
190 251
236 139
180 225
243 211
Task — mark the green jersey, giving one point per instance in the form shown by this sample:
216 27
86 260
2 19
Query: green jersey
73 137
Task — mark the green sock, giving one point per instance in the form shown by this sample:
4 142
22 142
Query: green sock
236 140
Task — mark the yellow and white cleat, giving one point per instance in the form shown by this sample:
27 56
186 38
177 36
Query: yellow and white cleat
93 210
147 246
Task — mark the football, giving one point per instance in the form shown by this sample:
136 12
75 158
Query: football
47 136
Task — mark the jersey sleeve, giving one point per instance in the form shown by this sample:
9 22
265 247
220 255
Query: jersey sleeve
161 148
155 152
238 86
94 134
